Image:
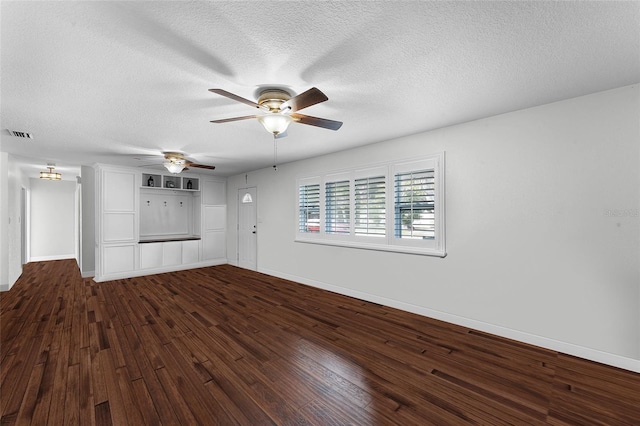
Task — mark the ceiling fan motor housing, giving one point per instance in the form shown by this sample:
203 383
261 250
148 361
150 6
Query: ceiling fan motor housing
273 98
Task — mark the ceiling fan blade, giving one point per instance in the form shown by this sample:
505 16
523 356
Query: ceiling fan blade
238 98
200 166
315 121
227 120
303 100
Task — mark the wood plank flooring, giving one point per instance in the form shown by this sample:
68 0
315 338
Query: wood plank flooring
226 346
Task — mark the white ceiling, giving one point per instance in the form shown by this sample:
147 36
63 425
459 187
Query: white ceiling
111 81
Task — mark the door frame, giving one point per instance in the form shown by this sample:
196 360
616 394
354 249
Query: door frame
24 225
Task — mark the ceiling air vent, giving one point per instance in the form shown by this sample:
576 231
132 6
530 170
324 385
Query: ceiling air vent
20 134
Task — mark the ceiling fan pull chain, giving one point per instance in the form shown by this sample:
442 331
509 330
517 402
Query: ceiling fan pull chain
275 153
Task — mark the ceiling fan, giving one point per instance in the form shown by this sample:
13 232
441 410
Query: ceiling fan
281 109
175 162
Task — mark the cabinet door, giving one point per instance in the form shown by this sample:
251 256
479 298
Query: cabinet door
214 245
118 259
215 218
150 255
190 252
172 253
118 227
119 191
119 210
213 192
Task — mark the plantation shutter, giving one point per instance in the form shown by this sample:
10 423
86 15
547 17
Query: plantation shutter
309 208
337 207
415 204
370 206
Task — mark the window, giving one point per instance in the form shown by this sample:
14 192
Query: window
395 206
309 208
337 207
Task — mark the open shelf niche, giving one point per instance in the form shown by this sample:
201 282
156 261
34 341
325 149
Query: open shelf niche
151 180
190 183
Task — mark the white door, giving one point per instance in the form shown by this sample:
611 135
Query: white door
247 228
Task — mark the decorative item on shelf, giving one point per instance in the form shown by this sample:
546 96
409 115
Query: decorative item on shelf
170 184
50 175
189 184
150 181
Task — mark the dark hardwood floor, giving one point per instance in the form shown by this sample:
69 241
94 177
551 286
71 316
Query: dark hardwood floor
223 346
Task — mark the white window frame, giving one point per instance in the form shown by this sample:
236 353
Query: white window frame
389 242
434 163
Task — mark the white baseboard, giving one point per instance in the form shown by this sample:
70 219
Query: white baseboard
4 287
54 257
161 270
532 339
88 274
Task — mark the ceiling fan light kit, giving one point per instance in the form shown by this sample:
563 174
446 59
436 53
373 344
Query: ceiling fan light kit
275 123
173 167
176 162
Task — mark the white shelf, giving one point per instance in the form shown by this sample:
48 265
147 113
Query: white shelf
179 183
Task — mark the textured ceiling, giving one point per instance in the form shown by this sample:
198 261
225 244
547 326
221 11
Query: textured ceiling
113 81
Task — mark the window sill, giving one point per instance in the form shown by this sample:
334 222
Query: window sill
370 246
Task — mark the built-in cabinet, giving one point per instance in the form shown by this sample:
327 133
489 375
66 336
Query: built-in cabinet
143 228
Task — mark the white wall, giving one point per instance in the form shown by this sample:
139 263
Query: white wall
53 224
12 180
542 238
